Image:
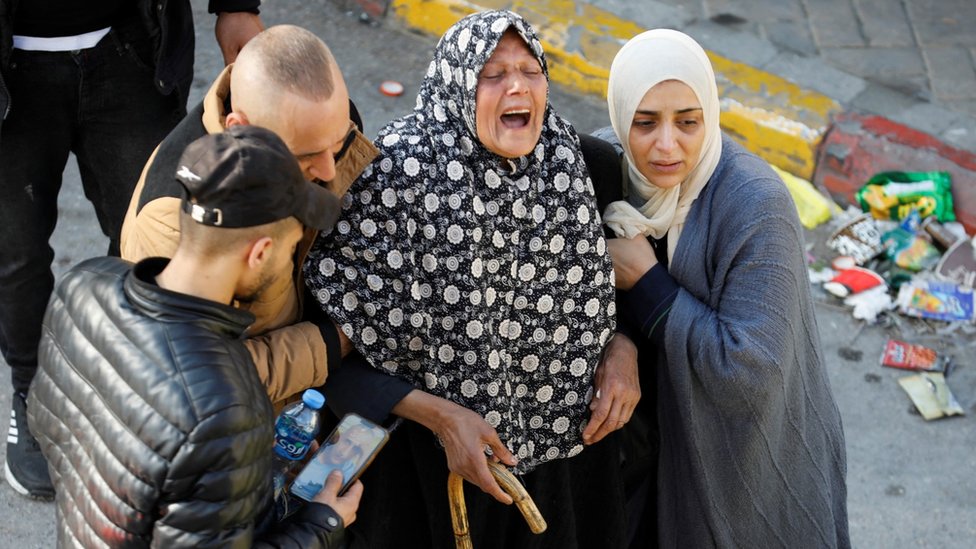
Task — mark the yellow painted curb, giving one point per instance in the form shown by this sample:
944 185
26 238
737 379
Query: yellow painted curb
770 116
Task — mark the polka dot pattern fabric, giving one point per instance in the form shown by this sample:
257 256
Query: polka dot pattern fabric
482 280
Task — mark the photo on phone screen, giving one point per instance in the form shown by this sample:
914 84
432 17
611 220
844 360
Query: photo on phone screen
350 448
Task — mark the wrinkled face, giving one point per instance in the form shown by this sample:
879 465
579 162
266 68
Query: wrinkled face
314 131
667 134
511 99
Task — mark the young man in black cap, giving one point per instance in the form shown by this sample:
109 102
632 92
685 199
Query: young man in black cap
146 404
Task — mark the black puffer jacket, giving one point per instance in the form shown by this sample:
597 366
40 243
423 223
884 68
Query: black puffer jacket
156 428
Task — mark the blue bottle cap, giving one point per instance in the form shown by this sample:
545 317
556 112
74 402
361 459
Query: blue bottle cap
313 399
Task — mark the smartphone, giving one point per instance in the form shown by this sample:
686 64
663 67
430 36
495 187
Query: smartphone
350 448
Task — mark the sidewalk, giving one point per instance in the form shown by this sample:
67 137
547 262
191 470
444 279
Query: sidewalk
830 90
910 482
827 90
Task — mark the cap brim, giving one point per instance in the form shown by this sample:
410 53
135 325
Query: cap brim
320 208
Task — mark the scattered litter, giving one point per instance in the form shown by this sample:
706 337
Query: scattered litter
893 195
957 229
940 234
912 356
894 275
391 88
903 264
842 262
819 276
958 264
813 207
935 300
859 238
852 281
963 329
870 303
907 249
931 395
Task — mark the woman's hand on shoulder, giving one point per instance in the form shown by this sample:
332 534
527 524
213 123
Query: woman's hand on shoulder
632 258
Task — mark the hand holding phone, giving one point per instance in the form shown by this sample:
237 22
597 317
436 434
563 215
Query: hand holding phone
345 505
349 450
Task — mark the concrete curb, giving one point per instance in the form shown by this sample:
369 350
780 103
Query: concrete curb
776 103
777 119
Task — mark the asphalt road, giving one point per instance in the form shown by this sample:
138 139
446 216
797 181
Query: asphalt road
911 483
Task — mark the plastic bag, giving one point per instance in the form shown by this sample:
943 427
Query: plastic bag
893 195
813 207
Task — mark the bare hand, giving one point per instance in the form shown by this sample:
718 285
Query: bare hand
233 30
345 505
632 258
617 386
465 436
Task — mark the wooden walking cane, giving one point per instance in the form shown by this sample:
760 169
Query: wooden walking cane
511 485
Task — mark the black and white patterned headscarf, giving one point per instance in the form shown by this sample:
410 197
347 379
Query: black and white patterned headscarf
488 286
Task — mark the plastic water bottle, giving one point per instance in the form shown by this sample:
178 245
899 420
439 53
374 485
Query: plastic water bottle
295 429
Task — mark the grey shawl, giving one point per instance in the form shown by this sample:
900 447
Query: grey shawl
752 449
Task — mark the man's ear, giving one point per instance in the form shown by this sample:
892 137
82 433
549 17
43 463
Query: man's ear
259 252
235 118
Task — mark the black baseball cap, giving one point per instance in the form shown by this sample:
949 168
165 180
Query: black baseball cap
246 176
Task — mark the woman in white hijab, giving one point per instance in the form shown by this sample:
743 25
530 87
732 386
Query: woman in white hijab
710 255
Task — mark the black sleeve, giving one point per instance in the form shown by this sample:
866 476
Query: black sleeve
353 385
603 163
358 387
217 6
649 302
314 525
625 325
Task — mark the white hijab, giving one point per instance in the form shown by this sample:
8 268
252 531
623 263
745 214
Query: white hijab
646 60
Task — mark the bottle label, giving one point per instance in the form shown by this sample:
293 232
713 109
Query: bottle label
291 441
290 449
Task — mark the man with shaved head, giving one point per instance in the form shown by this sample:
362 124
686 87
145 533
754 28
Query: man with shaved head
285 79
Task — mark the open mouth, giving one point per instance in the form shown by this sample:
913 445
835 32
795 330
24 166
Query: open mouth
516 118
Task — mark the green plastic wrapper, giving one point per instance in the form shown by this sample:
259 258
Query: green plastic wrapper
893 195
909 251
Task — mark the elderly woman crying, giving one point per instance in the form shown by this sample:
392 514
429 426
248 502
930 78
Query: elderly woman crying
470 264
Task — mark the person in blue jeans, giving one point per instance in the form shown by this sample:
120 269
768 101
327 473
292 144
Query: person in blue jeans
107 81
